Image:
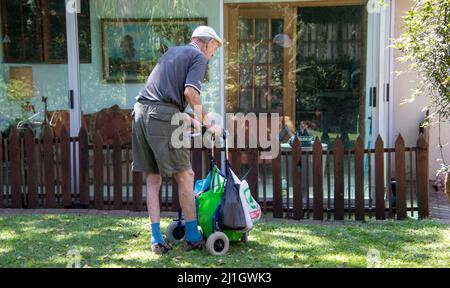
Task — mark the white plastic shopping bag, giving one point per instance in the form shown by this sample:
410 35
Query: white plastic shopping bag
252 210
251 207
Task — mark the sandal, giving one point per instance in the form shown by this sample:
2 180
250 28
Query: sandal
200 245
161 249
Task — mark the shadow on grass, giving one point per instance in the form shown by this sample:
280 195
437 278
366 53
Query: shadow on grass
44 241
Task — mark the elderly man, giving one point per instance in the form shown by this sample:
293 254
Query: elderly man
175 82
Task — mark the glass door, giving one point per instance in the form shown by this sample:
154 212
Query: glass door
33 68
35 81
378 72
260 60
372 80
128 38
330 98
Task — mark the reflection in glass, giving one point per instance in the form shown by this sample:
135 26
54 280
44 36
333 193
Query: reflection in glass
261 98
245 100
261 53
245 29
282 40
275 98
277 27
246 75
277 54
246 53
261 75
58 46
262 32
276 76
328 72
262 61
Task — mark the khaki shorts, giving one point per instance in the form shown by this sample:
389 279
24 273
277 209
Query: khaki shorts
151 145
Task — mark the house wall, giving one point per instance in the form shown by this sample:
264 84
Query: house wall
435 155
407 114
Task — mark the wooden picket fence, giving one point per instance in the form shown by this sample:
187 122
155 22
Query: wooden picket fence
333 184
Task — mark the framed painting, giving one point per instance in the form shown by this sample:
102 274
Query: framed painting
132 47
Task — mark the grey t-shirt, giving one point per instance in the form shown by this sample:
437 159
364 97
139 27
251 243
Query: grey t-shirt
179 67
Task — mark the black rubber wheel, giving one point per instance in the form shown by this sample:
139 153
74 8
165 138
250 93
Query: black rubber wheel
174 234
217 244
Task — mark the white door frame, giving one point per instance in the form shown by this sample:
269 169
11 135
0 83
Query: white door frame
74 102
222 74
391 75
379 87
384 86
373 75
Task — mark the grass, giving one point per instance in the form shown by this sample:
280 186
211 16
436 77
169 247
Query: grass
106 241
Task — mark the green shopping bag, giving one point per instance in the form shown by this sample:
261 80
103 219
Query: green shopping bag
207 203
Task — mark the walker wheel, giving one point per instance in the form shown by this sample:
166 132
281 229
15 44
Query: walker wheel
174 234
217 244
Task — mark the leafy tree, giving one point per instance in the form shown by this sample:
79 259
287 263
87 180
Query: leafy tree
426 44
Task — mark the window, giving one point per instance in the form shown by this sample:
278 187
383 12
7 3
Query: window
34 31
330 98
259 61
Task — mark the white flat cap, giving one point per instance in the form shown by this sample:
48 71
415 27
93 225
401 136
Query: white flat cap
206 31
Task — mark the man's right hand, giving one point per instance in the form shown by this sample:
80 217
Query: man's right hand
215 130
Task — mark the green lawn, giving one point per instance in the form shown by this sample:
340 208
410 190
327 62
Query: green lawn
44 241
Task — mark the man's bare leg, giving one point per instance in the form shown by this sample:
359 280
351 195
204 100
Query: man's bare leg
153 185
185 182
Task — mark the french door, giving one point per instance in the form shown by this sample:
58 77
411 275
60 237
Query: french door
260 60
311 64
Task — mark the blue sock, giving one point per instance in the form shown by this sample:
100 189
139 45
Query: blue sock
156 234
192 233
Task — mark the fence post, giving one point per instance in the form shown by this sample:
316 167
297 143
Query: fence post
297 179
318 180
49 166
1 171
338 179
14 158
83 149
117 162
98 171
400 178
30 151
277 186
253 165
65 168
359 179
175 198
218 156
236 160
422 176
137 191
197 156
379 180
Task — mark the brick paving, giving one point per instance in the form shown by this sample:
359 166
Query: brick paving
439 206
